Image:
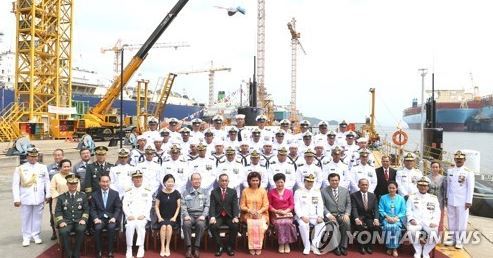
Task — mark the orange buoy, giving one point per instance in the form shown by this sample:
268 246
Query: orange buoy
399 138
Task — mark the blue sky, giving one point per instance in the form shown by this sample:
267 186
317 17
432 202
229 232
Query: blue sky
351 45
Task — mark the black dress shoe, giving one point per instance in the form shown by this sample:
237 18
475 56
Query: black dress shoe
343 251
337 251
99 255
362 250
369 250
230 251
219 251
110 255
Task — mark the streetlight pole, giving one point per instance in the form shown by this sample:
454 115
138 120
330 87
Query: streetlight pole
121 98
423 71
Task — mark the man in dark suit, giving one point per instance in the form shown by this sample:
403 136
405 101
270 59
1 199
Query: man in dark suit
106 208
385 174
337 209
95 170
364 214
224 210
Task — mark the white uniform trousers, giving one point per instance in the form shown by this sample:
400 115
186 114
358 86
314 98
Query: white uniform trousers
31 216
430 242
305 232
131 227
457 222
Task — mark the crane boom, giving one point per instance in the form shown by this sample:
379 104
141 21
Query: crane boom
104 105
295 42
163 96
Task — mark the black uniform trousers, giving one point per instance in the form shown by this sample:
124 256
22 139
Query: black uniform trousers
65 238
111 232
368 227
233 230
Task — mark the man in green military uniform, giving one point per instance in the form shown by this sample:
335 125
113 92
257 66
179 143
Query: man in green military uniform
71 215
95 170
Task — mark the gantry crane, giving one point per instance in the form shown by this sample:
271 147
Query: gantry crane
117 49
212 70
295 43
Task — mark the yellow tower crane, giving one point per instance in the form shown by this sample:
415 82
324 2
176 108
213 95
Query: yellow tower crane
212 70
295 43
43 68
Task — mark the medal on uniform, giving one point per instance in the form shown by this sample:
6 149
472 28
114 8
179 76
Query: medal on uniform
79 207
235 170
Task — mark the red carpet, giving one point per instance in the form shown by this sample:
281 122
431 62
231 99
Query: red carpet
269 251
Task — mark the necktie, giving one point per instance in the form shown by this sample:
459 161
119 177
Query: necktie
386 173
72 196
223 212
365 201
239 134
105 198
336 195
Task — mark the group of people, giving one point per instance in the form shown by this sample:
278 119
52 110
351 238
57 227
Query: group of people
193 181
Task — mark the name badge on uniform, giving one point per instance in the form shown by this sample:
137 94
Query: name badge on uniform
144 195
180 171
208 167
79 199
370 174
314 199
430 206
288 172
94 176
65 208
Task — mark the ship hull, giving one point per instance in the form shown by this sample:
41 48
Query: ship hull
129 106
451 119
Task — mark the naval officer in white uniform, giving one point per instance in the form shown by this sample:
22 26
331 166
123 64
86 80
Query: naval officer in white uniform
309 209
423 214
460 190
31 188
137 203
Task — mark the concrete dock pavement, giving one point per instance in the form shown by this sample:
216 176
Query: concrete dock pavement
10 233
485 246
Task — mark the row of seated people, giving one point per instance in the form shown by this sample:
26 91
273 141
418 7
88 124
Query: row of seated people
196 209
